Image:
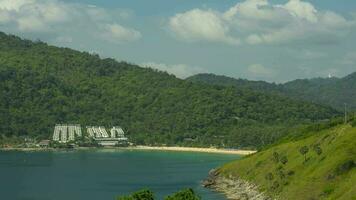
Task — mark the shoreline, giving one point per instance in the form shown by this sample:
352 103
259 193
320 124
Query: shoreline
196 149
233 187
146 148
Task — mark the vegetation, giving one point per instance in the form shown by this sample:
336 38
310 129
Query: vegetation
328 172
41 85
186 194
140 195
327 91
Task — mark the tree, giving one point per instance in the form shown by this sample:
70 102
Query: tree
275 157
284 160
187 194
304 150
140 195
318 149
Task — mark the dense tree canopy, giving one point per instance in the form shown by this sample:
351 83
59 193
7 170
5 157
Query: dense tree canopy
333 91
41 85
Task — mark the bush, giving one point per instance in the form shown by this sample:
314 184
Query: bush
345 167
275 157
353 123
284 160
187 194
269 176
317 149
304 150
140 195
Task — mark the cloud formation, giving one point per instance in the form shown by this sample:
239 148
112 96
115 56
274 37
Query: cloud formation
179 70
198 25
260 22
58 18
258 71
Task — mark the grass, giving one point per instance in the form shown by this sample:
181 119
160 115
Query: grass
329 171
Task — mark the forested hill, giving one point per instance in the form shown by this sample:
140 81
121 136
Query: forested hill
327 91
41 85
212 79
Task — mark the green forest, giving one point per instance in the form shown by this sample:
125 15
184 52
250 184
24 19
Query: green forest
334 92
42 85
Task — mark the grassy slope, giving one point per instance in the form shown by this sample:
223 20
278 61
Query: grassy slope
319 177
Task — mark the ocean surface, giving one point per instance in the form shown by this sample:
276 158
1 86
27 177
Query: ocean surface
103 174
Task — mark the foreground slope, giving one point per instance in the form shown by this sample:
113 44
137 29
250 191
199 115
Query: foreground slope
41 85
327 91
327 171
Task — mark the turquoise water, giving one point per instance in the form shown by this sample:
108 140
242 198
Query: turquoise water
103 174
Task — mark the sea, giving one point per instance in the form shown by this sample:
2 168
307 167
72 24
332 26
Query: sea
102 174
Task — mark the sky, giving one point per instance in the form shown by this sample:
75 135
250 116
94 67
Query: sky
271 40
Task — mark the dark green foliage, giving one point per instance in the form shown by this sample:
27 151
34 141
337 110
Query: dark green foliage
345 167
140 195
317 149
269 176
327 191
284 160
290 173
281 174
42 85
327 91
304 150
353 122
275 185
187 194
276 157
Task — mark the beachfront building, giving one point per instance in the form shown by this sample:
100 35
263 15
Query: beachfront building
100 135
64 133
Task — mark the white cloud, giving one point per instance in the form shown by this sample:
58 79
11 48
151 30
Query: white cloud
117 33
301 10
59 18
261 22
179 70
198 25
258 70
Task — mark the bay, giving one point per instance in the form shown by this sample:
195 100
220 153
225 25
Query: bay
103 174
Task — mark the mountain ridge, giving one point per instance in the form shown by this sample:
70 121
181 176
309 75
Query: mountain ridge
327 91
43 85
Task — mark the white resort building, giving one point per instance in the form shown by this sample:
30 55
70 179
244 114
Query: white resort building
99 134
64 133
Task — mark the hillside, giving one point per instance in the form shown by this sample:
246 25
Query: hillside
327 91
326 171
213 79
43 85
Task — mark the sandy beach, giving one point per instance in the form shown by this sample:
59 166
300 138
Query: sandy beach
147 148
195 149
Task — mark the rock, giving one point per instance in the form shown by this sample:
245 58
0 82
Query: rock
234 188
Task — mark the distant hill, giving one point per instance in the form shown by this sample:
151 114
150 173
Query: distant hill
327 91
42 85
327 170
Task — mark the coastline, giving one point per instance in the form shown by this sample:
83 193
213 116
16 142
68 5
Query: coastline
196 149
146 148
233 188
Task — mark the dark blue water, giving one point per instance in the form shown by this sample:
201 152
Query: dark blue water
103 174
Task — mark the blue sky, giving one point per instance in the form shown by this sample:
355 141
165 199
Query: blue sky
276 40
